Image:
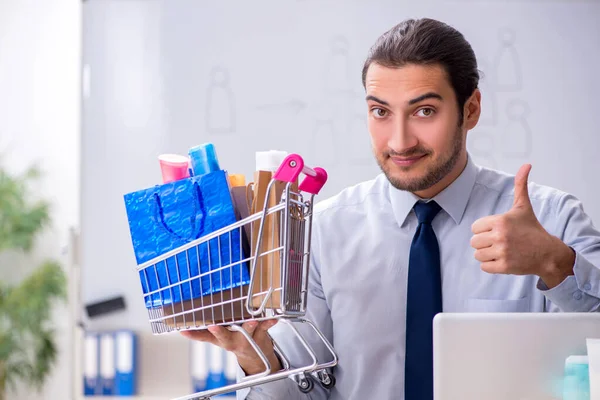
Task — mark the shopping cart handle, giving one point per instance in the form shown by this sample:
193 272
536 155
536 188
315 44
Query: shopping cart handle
293 165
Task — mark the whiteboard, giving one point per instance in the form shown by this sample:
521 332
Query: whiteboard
162 76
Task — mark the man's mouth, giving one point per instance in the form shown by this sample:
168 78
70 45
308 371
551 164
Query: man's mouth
407 161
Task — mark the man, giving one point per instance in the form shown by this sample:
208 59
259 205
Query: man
433 233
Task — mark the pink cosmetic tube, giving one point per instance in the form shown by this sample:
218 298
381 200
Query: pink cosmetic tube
174 167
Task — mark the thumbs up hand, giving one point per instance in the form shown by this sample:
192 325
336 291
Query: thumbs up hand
516 243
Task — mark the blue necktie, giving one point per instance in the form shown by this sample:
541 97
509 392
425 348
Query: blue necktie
423 301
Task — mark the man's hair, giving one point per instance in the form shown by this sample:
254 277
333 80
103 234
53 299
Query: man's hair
428 42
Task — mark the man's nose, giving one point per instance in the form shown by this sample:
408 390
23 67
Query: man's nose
401 138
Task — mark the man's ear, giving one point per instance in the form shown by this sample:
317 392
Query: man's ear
472 110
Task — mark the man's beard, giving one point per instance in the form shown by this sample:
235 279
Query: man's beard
434 173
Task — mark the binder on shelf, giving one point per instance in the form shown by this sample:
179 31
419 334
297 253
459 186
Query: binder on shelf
126 343
216 367
107 363
199 365
231 369
91 364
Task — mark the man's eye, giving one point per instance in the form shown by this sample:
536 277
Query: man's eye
379 112
426 112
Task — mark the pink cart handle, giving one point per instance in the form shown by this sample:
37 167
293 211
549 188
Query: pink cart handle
293 165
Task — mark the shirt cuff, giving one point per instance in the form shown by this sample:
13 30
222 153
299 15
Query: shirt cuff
578 292
279 389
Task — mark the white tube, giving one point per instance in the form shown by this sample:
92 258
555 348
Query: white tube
269 160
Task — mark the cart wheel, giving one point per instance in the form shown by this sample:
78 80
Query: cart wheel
327 380
305 384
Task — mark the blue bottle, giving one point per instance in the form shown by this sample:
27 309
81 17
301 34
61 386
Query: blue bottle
576 384
203 159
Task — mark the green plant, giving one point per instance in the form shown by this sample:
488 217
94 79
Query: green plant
27 344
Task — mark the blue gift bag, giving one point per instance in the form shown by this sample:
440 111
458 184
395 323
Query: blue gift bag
165 217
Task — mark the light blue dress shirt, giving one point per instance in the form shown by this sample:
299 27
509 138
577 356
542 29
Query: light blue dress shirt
359 265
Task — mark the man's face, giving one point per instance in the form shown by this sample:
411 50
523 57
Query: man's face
414 124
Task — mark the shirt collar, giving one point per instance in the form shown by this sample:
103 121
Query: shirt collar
453 199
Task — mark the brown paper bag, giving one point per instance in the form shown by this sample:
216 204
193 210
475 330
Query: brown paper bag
241 205
267 273
233 310
268 266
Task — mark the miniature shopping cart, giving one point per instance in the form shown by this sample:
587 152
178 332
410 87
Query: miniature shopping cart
253 270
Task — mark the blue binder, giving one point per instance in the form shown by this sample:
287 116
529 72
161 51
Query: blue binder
231 369
91 364
107 363
126 344
199 365
216 368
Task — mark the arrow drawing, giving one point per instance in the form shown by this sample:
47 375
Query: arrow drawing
294 105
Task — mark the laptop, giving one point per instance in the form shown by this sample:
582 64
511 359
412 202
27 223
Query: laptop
507 356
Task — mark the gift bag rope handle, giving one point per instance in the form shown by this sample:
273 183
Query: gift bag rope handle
198 207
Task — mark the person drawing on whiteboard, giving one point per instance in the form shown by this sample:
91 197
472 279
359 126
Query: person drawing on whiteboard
434 232
220 107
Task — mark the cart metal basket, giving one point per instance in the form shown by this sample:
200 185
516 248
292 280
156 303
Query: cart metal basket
275 244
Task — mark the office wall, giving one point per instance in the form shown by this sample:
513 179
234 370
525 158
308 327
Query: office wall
166 75
248 76
39 123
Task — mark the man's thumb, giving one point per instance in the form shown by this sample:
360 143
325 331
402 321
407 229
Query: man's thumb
521 191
